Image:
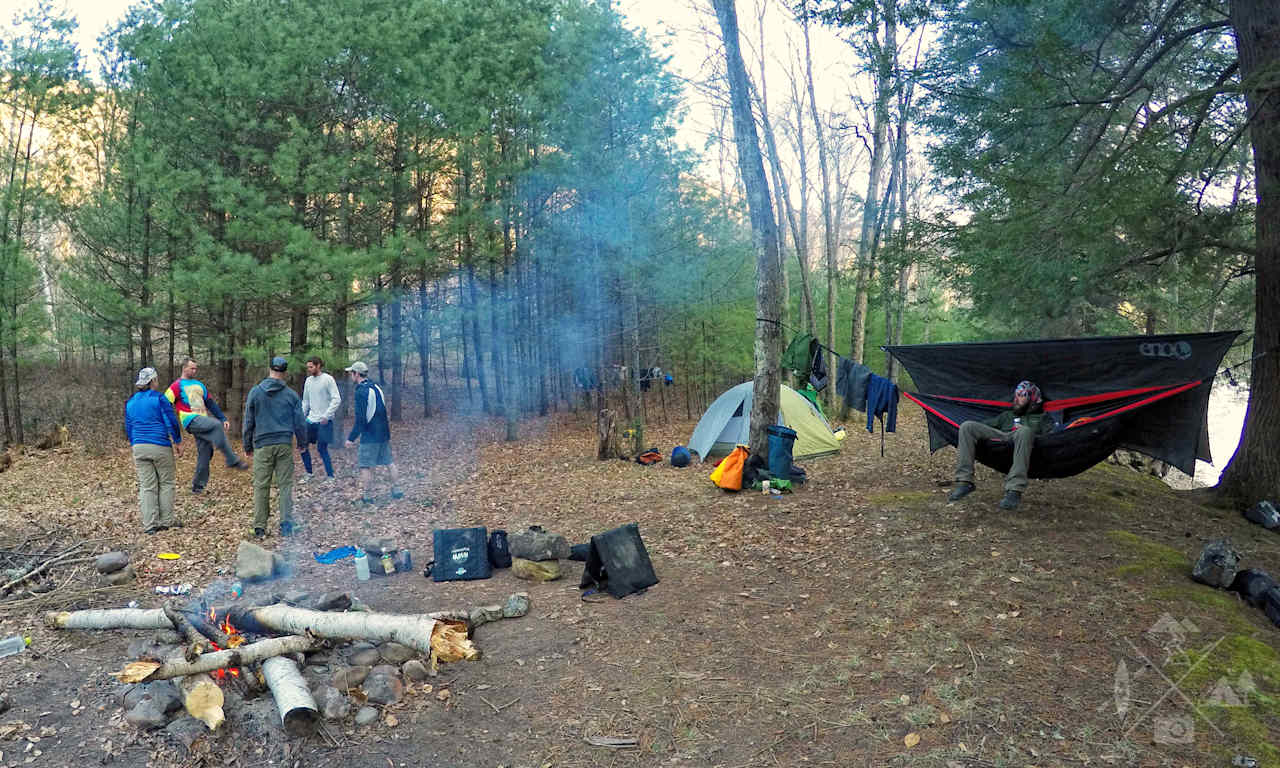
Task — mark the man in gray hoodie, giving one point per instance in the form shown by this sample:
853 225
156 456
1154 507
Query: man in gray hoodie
272 419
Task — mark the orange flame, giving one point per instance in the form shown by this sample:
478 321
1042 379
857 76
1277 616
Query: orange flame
235 640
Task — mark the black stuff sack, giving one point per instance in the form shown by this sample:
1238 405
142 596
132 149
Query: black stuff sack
1252 584
461 554
499 550
618 563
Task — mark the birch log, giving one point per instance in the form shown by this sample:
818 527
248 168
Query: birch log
109 618
197 642
294 702
245 655
413 630
203 699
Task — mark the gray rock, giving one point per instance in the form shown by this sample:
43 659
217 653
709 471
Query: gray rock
484 614
111 562
253 563
279 566
366 716
351 677
1264 513
332 601
122 576
517 606
162 693
1217 564
4 704
415 670
366 657
186 730
296 597
534 544
332 703
147 714
395 653
383 685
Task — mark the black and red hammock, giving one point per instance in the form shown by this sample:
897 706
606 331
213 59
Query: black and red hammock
1145 393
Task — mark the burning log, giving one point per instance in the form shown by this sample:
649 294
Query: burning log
198 643
203 699
414 630
293 697
245 655
110 618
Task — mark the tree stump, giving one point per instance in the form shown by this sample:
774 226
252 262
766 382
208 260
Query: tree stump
607 434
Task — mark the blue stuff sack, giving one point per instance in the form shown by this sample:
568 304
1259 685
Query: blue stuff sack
781 442
680 456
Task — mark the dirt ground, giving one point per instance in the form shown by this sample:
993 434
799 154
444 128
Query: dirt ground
858 621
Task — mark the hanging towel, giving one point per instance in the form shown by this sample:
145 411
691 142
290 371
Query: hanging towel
851 383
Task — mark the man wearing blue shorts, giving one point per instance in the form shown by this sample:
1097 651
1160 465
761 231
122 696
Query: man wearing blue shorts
372 431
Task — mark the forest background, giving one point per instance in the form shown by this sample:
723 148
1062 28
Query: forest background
481 198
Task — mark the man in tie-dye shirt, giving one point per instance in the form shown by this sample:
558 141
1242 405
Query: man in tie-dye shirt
194 405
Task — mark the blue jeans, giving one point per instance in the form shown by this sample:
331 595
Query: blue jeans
321 435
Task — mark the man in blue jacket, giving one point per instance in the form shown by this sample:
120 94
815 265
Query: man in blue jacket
373 432
152 429
272 419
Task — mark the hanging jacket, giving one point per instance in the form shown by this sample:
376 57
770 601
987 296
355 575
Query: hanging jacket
851 383
818 376
882 400
799 356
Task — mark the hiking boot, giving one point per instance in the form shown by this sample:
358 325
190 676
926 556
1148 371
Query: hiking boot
1011 500
286 529
259 533
960 490
241 465
197 491
396 493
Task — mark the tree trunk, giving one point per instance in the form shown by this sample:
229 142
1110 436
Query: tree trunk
768 334
870 206
1254 471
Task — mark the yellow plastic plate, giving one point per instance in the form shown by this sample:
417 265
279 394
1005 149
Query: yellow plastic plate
169 556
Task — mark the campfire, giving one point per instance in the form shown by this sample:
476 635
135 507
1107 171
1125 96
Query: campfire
262 648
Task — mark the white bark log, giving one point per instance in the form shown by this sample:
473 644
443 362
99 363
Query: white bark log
294 701
109 618
203 699
245 655
413 630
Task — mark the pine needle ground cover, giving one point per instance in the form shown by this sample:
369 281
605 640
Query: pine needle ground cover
858 621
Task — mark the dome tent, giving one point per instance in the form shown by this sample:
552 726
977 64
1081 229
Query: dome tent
727 422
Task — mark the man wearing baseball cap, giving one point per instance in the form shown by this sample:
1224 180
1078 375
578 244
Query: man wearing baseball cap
373 432
272 419
152 429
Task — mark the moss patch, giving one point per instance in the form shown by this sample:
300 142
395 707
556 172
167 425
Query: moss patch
1151 556
902 498
1247 670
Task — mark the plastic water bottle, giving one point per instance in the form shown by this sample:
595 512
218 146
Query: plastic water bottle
237 590
362 565
12 644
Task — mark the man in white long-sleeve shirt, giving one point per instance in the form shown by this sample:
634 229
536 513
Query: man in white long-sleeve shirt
320 401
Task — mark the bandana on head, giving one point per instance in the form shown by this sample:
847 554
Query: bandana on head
1030 390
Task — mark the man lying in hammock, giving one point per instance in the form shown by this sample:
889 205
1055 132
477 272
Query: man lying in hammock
1020 425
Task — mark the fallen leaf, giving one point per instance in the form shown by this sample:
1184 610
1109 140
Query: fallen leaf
905 700
944 718
444 694
1015 579
392 722
911 739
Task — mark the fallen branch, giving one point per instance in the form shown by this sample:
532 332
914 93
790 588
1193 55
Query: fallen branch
245 655
294 702
4 589
110 618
